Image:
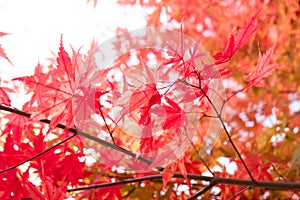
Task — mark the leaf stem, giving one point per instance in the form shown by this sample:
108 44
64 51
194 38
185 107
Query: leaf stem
239 192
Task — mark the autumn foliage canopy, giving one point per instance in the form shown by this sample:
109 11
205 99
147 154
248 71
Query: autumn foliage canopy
212 114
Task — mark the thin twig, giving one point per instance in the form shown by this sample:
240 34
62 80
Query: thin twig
39 154
205 189
106 125
201 159
278 173
236 150
239 193
223 125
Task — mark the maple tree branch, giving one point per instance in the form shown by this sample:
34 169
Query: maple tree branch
115 147
219 115
216 180
236 92
78 132
25 114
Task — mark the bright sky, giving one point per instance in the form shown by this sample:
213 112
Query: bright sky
36 27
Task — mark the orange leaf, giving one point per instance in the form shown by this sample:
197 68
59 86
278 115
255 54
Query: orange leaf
168 173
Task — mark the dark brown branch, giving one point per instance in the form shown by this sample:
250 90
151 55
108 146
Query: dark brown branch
205 189
75 131
215 179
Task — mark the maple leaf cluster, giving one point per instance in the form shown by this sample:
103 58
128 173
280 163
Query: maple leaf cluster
44 155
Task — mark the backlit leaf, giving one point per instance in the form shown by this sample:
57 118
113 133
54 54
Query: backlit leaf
263 69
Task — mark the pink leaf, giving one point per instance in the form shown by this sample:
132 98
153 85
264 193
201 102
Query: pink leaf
263 69
4 99
2 53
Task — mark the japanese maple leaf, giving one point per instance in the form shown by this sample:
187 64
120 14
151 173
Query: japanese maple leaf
257 167
47 190
53 91
142 100
238 40
9 152
168 173
174 115
147 142
2 53
18 125
72 168
263 69
109 193
170 169
4 99
9 183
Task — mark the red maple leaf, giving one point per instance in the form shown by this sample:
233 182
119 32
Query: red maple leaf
147 142
257 167
17 125
174 115
238 40
47 189
168 173
109 193
9 152
53 91
263 69
2 53
4 99
73 168
10 185
170 169
142 100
